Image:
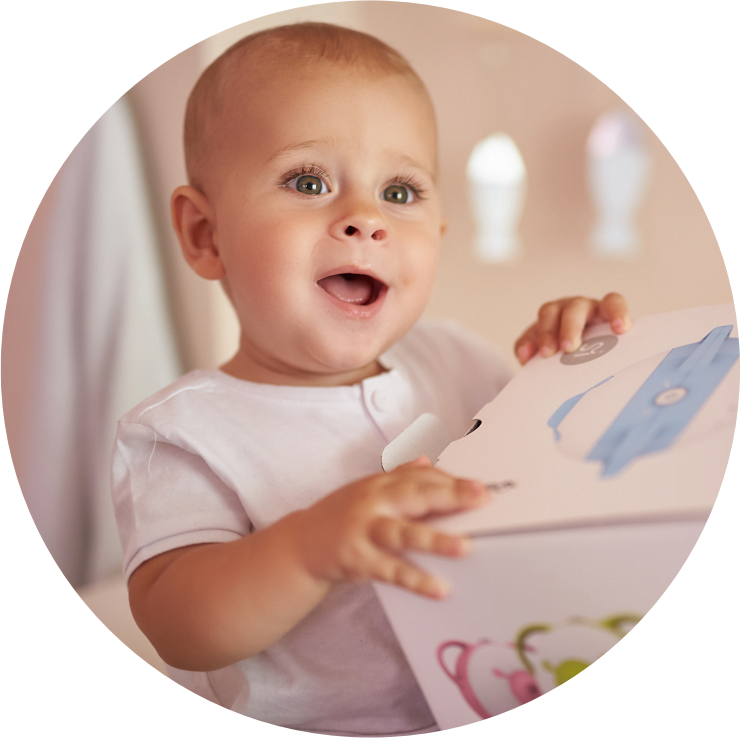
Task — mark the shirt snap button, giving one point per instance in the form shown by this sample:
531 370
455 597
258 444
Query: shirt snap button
381 401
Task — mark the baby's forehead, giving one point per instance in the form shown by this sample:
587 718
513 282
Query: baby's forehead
250 92
281 74
238 87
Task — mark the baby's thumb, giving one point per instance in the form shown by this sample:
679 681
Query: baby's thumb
419 461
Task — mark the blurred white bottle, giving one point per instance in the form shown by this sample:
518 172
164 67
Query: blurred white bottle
496 178
617 171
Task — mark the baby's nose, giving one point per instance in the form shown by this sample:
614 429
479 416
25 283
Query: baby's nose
377 235
360 221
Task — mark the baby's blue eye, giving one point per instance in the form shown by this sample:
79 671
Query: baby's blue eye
398 194
308 184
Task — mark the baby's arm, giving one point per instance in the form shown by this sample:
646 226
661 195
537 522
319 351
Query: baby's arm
207 606
561 323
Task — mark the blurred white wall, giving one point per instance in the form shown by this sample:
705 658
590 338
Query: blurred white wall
87 336
483 78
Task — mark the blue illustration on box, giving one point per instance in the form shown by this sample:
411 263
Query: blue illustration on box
686 388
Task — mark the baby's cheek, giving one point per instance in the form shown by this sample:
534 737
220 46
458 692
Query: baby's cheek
421 263
425 275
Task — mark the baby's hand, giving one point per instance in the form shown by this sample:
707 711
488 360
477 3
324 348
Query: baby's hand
561 323
358 532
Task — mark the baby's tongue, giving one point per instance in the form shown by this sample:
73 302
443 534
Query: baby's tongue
355 288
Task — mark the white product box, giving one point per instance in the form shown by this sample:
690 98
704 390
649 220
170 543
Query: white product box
604 465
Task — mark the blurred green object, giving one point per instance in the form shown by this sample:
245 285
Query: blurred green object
650 685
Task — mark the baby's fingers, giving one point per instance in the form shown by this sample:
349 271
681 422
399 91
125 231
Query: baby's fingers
387 568
577 312
526 345
549 323
422 492
613 309
396 535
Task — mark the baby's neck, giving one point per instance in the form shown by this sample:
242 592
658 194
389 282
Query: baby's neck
241 368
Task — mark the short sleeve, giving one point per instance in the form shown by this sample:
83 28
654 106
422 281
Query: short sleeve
166 497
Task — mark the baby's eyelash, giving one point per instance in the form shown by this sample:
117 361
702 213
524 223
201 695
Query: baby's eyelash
410 181
407 180
302 171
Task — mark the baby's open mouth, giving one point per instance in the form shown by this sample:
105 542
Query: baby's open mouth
357 289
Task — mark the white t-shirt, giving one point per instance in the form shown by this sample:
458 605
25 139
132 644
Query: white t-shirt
212 457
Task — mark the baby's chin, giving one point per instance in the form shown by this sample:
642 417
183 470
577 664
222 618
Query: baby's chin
339 354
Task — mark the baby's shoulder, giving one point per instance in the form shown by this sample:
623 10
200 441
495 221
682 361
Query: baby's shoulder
440 334
190 395
447 341
445 352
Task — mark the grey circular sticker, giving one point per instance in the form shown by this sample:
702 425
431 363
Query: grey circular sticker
590 350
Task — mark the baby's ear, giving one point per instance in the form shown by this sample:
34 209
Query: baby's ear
193 219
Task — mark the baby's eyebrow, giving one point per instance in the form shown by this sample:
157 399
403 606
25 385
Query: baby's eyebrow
293 148
408 161
403 159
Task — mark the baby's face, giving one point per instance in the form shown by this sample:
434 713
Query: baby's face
327 222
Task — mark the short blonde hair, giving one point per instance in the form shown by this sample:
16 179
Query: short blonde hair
321 43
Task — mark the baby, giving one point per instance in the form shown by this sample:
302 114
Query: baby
250 500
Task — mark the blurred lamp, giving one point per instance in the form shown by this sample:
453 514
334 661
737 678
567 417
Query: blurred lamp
617 169
496 179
